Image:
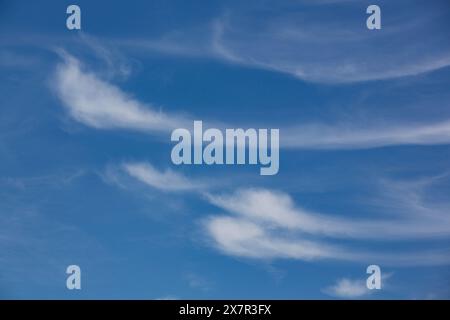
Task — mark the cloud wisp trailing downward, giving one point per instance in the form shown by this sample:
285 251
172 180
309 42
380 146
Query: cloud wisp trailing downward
101 105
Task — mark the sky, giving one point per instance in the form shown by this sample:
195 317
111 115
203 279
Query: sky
86 176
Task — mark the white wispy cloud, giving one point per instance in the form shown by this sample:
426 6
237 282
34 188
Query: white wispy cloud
348 288
354 288
344 136
236 236
98 103
167 180
314 46
112 61
101 105
407 198
266 224
278 210
244 238
262 223
197 281
169 297
310 44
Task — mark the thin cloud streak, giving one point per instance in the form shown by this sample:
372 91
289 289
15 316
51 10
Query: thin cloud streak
316 51
277 209
239 237
315 46
266 224
102 105
165 181
316 136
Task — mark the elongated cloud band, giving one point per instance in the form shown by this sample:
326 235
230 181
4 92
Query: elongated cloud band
101 105
277 209
310 43
263 223
352 137
266 224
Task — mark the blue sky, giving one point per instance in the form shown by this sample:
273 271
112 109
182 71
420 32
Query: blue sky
86 176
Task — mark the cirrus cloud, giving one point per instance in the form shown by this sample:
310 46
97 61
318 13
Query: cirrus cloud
99 104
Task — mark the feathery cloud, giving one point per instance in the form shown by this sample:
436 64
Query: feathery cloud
313 45
316 136
236 236
102 105
354 288
278 210
165 181
348 288
266 224
99 104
